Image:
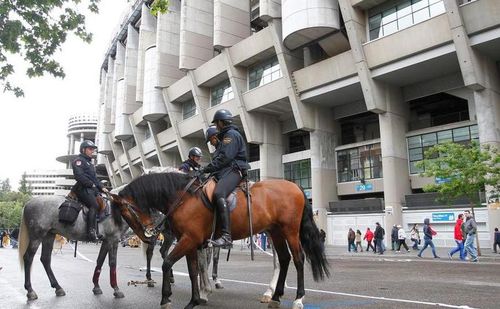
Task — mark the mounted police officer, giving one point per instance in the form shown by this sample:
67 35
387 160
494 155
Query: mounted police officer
228 166
87 185
193 161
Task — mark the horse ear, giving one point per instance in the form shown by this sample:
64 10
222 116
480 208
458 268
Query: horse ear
116 198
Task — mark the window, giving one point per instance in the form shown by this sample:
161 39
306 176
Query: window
299 172
298 141
264 73
221 93
401 15
254 175
253 152
188 109
417 145
360 163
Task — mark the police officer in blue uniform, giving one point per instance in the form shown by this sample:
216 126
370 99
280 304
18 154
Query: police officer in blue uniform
193 161
87 185
228 166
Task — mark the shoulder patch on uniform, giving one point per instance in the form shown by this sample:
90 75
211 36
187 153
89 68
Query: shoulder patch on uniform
78 163
227 140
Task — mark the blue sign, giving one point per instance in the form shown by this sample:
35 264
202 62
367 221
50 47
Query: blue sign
443 217
364 187
440 180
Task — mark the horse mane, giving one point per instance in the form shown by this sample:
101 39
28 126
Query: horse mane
154 191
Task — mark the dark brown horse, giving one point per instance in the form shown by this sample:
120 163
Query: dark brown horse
278 206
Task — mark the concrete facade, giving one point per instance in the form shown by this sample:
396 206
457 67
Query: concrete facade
329 94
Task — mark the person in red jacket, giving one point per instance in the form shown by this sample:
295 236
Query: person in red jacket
369 237
458 239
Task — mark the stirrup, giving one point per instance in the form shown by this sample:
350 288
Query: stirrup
222 243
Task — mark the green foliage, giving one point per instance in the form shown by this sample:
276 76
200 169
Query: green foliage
469 169
24 186
5 186
11 206
159 6
35 30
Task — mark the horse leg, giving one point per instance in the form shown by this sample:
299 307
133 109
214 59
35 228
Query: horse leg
298 260
149 255
113 252
215 267
169 238
28 262
103 251
47 246
192 262
266 297
205 287
184 246
284 261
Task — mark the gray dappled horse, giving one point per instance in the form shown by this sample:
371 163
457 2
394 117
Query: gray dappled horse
39 225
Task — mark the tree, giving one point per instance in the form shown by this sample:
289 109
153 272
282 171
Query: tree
24 186
464 171
5 186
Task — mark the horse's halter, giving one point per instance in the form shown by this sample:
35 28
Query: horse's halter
131 208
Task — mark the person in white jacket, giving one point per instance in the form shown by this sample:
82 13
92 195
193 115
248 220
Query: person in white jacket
402 238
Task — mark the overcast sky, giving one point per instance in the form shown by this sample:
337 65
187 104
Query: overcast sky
33 129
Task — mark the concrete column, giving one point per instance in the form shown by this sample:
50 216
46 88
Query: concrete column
323 168
71 144
393 128
108 96
271 150
269 9
115 180
139 139
197 31
147 37
130 71
231 22
134 171
117 76
162 158
117 152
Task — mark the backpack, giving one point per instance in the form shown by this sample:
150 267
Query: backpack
69 210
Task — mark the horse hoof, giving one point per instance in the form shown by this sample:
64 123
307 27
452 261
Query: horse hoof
218 286
151 285
166 306
203 301
60 292
119 294
265 299
273 304
32 295
97 291
298 305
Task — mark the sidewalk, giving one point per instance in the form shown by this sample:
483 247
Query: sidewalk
341 251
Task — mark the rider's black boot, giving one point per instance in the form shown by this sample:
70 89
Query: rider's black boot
92 226
225 240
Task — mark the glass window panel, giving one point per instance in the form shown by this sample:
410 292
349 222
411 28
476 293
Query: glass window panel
390 28
414 142
416 154
435 1
276 75
421 15
388 16
444 136
375 33
461 134
419 4
404 9
437 9
266 79
414 169
474 132
429 139
405 22
375 21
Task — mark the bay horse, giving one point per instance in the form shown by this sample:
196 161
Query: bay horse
40 224
279 207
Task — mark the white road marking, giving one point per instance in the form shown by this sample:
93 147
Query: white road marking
81 255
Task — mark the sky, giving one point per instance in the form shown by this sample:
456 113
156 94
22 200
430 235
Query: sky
33 129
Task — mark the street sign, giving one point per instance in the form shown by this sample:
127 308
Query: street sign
364 187
439 180
443 217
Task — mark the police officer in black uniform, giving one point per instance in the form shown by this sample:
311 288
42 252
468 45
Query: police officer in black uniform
228 166
212 136
193 161
87 186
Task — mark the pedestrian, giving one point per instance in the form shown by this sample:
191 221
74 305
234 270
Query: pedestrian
457 235
369 237
415 236
394 237
496 240
1 239
358 240
428 234
351 237
471 230
402 239
379 238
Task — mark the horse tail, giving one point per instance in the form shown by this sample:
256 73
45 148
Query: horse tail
24 241
311 243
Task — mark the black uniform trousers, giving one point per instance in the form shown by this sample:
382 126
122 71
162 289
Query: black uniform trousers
88 197
226 184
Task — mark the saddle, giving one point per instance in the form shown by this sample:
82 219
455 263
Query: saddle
208 189
71 207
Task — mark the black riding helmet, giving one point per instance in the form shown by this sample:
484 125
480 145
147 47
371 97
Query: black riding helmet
87 144
195 152
223 114
211 131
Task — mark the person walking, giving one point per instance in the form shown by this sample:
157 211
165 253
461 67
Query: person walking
471 230
428 234
394 237
369 237
379 238
402 238
496 240
351 237
457 235
415 236
358 241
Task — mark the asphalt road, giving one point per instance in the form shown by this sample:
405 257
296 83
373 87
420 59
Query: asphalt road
361 280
